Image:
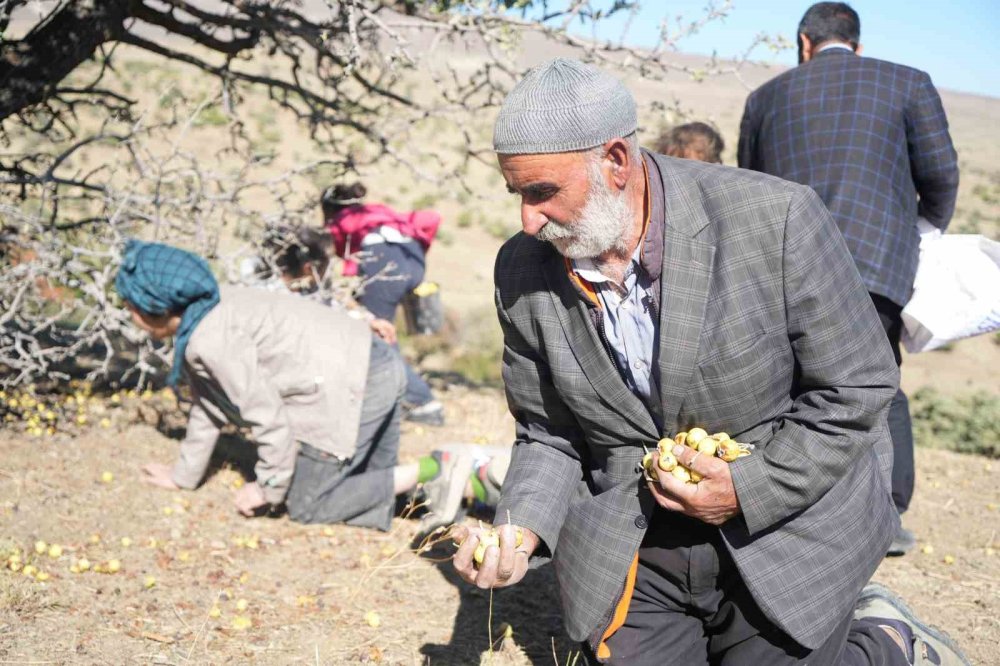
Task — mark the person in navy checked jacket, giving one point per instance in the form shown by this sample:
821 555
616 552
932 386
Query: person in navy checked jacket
871 138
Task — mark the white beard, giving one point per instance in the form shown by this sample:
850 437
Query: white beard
601 226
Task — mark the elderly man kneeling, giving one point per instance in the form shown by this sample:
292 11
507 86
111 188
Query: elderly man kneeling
647 295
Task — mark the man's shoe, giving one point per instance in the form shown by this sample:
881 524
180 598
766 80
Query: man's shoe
431 414
922 643
902 543
445 492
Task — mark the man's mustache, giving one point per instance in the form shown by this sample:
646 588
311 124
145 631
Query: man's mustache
552 231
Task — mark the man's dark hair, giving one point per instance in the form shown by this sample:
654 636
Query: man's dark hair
830 21
696 141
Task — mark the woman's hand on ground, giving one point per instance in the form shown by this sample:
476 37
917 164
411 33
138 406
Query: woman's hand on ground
501 567
158 474
249 498
384 329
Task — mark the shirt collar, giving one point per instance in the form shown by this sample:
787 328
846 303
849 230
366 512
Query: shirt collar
835 45
588 270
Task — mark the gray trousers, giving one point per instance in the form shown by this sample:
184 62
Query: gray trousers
358 491
690 607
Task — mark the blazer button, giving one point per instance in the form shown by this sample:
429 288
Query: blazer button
641 522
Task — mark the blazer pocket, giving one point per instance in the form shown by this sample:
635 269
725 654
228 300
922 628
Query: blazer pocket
739 390
739 364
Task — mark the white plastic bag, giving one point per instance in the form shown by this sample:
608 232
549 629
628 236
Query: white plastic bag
956 293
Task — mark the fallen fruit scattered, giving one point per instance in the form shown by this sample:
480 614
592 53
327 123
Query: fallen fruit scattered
242 622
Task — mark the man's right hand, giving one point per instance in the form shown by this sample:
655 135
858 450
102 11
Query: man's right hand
501 567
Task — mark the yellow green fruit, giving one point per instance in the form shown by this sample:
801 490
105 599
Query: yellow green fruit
695 435
667 461
708 446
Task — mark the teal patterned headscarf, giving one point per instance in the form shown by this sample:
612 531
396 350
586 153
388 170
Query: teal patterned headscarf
158 279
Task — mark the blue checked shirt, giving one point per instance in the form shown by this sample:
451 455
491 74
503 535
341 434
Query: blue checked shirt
871 138
629 319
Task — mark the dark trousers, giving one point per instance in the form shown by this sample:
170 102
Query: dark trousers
900 426
391 271
690 607
358 491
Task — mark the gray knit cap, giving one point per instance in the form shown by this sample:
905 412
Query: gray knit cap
563 105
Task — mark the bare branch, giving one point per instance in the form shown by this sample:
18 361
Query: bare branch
30 67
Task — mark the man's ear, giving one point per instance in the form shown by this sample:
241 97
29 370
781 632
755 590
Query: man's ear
807 48
859 49
619 157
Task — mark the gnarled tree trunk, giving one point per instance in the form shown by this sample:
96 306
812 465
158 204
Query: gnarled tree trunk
31 67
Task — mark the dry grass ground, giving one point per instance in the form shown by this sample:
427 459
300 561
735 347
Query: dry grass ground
309 589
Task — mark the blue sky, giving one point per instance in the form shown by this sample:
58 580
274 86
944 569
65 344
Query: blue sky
956 42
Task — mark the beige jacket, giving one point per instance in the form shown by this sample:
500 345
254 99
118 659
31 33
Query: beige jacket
289 369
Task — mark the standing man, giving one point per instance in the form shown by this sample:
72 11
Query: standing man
871 138
647 295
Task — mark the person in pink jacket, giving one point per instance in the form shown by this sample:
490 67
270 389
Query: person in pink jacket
387 250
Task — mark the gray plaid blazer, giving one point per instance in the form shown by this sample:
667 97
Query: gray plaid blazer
766 332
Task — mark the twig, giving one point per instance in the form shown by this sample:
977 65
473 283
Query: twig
201 629
489 625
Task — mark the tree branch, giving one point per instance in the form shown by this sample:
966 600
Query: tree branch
30 68
168 21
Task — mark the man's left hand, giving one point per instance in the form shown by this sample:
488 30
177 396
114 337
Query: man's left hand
712 500
249 498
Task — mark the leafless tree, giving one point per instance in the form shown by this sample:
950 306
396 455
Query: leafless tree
92 151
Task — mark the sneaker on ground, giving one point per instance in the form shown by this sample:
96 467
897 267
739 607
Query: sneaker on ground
924 644
902 543
445 492
431 413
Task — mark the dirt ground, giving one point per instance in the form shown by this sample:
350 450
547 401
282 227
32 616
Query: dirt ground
312 592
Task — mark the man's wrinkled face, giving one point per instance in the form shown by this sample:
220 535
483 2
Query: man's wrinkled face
566 200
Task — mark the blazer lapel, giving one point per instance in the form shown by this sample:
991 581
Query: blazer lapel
684 287
586 345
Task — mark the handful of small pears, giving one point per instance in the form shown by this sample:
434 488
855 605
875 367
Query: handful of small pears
720 445
492 538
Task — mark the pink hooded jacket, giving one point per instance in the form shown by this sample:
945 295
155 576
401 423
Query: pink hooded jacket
351 224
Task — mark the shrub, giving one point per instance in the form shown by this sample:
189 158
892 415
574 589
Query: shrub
968 423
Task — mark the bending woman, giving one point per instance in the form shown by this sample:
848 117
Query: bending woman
396 244
319 394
